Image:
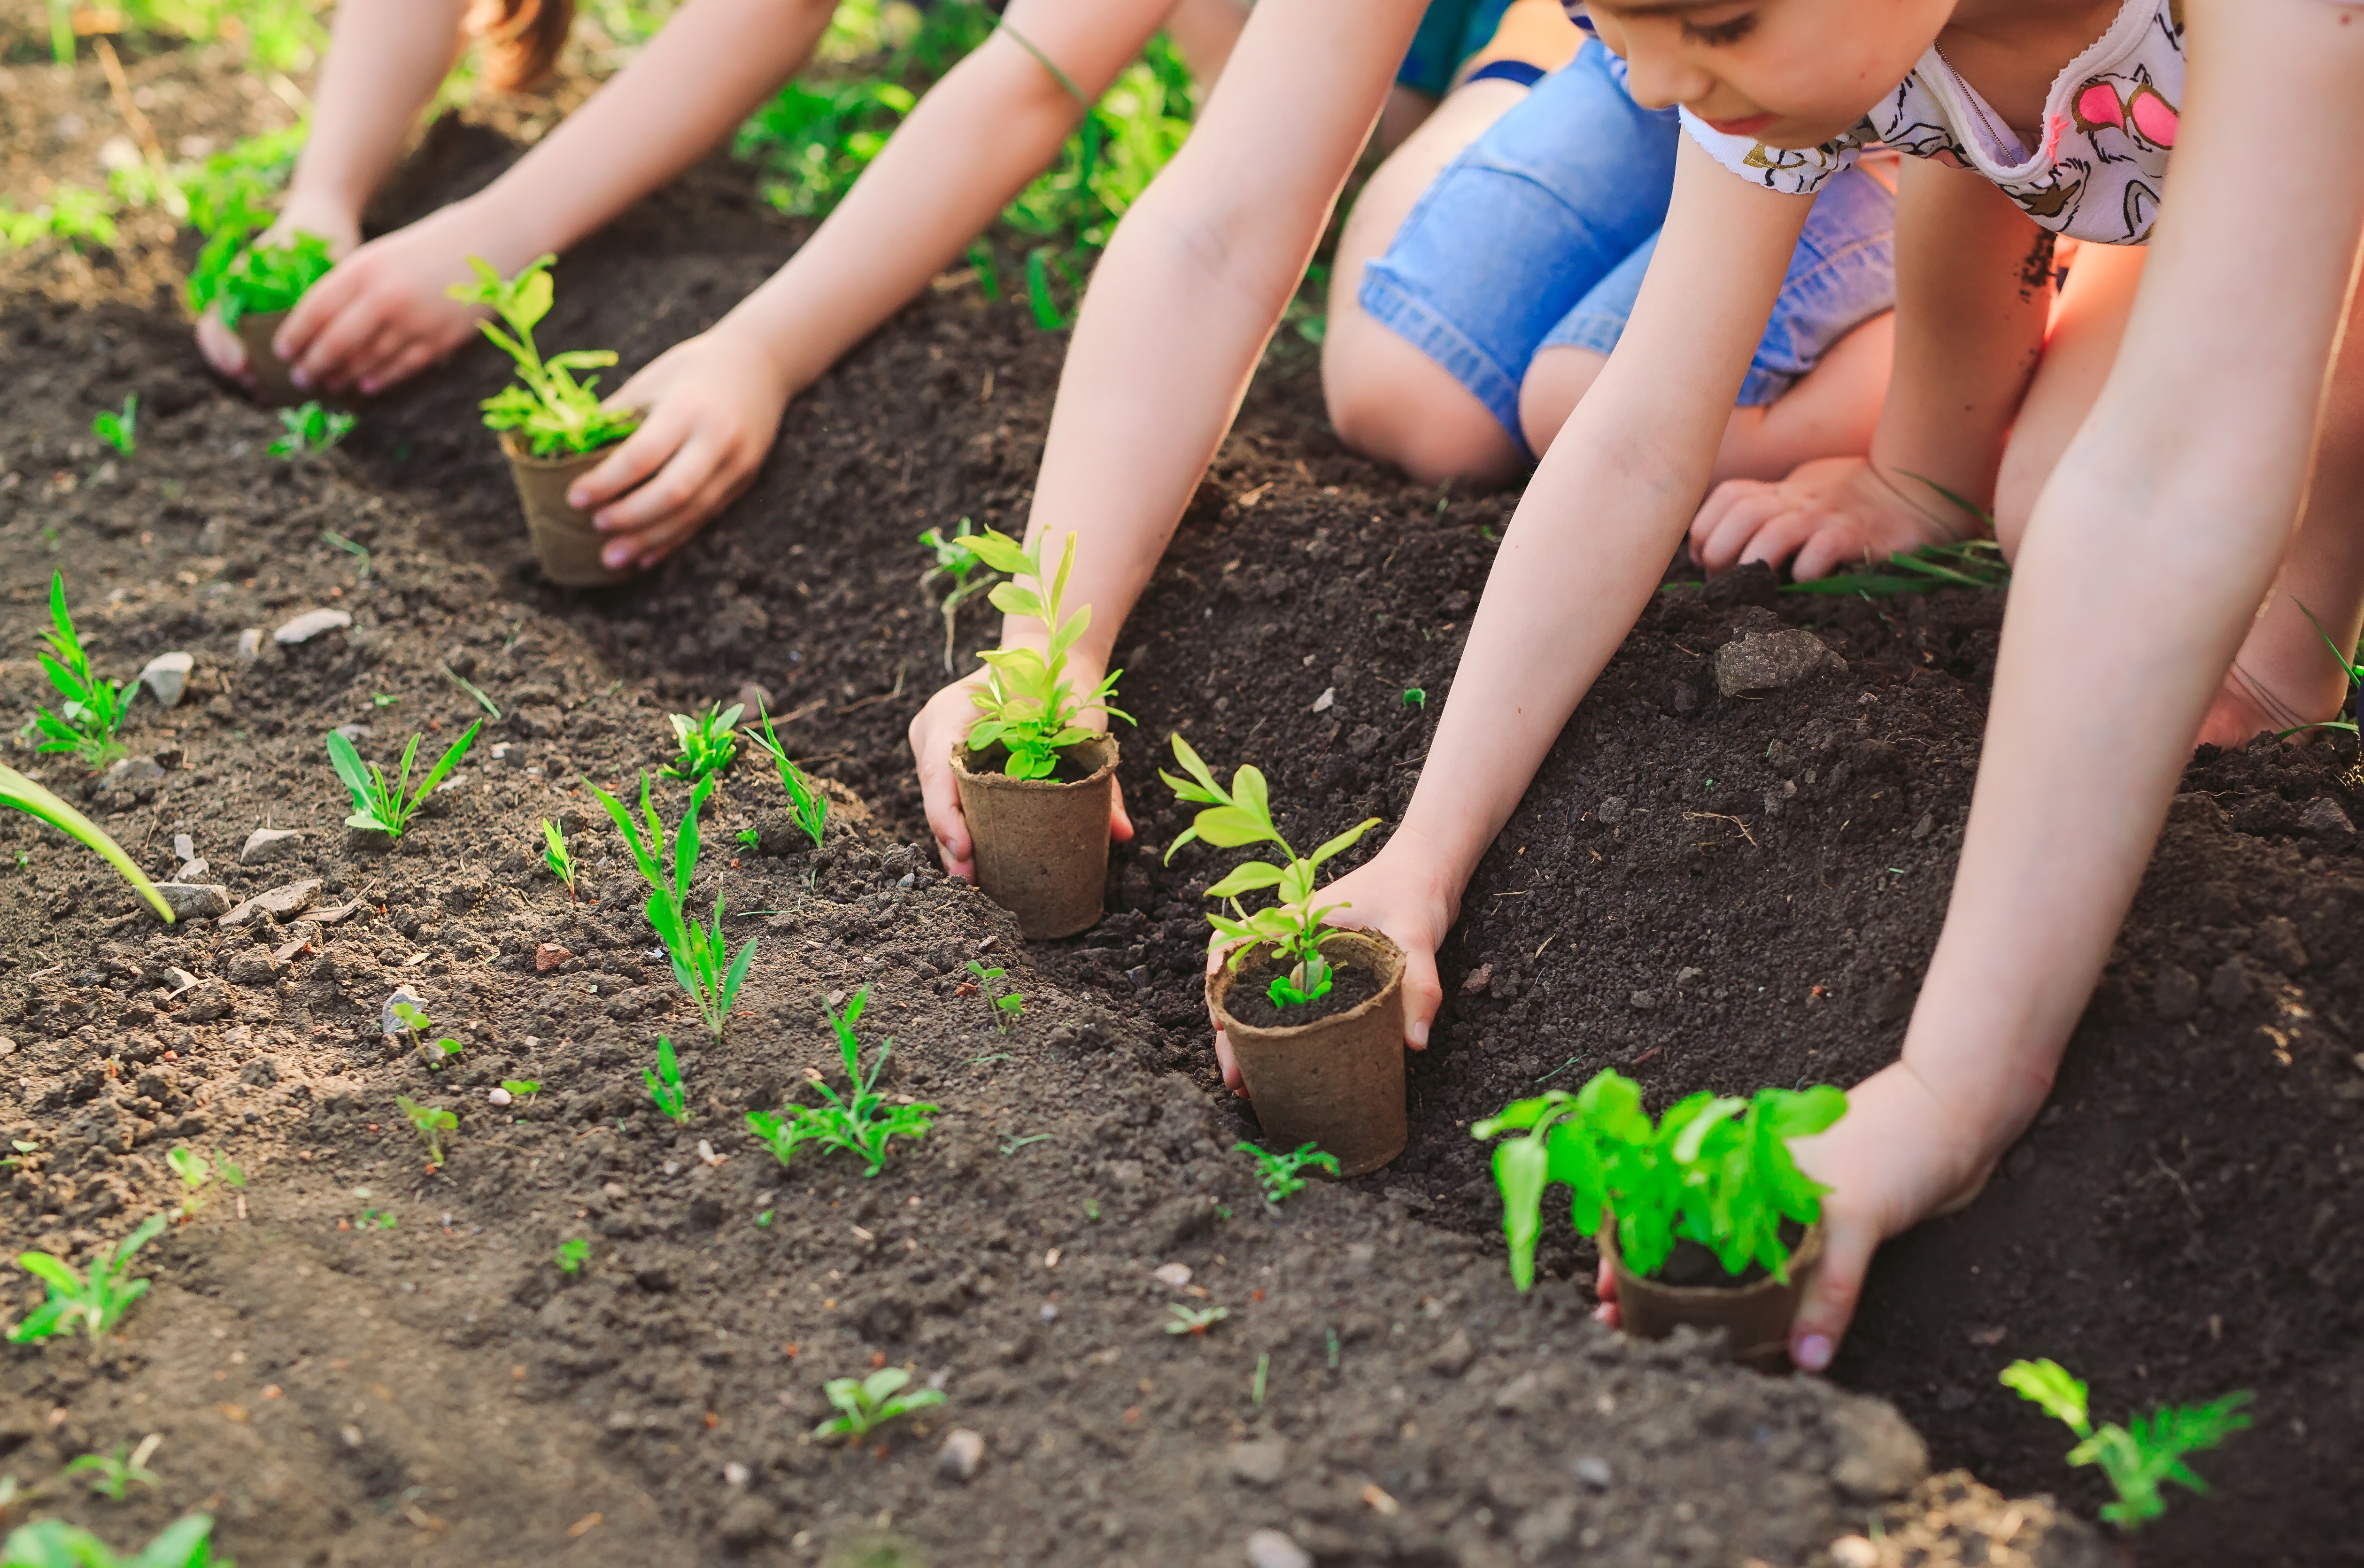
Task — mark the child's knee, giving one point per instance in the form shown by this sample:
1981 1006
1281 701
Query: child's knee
1556 382
1391 402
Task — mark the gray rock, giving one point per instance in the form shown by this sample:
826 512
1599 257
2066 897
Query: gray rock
249 649
2323 818
1275 1548
309 625
1452 1358
356 733
962 1455
1880 1456
1764 661
130 772
286 900
1323 702
1641 1001
747 1523
1594 1471
208 1000
167 675
1365 739
1258 1462
387 1023
252 967
195 900
1611 812
269 844
184 847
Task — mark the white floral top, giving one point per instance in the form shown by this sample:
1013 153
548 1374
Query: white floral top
2108 124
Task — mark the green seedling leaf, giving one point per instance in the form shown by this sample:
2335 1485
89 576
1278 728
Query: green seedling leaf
430 1122
85 723
859 1122
1007 1006
1028 705
1196 1320
121 430
24 796
111 1474
807 803
709 742
97 1301
553 412
554 855
664 1084
260 279
309 430
866 1404
953 559
701 956
2140 1457
53 1543
387 807
572 1255
1278 1172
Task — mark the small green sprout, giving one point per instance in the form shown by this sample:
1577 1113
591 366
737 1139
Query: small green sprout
709 742
2139 1459
763 1220
430 1122
53 1543
312 429
1194 1320
121 430
98 1302
557 414
554 856
196 1172
113 1473
1008 1006
1278 1172
1414 696
377 1220
1255 1383
1013 1145
1029 709
1092 1209
23 1147
749 838
866 1404
862 1121
521 1088
384 699
388 808
571 1254
360 552
664 1084
955 559
1242 815
701 958
85 725
414 1018
807 803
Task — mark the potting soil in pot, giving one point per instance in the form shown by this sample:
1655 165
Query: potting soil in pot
1250 999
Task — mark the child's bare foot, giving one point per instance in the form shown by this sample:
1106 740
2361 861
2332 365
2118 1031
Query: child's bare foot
2245 708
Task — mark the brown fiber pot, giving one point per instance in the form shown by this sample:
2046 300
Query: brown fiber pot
1337 1082
1757 1315
272 387
563 540
1041 845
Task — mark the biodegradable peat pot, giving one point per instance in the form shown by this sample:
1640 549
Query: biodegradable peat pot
1337 1082
1756 1315
272 387
563 540
1042 845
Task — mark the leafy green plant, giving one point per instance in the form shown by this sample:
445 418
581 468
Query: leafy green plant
1008 1006
119 430
807 803
571 1254
260 279
414 1018
1293 928
1715 1170
2139 1458
430 1122
554 855
97 1301
664 1084
384 807
954 559
1029 708
1278 1172
554 412
113 1473
377 1220
866 1404
311 429
85 723
520 1088
24 796
701 957
1967 563
709 742
53 1543
74 215
197 1172
1194 1319
859 1122
816 137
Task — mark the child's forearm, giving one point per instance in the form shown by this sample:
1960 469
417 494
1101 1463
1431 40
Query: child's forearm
386 59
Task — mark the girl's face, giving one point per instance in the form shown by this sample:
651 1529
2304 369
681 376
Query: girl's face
1784 73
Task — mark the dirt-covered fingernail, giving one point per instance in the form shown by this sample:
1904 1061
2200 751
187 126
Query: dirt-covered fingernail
1814 1352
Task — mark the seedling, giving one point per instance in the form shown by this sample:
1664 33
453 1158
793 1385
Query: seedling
1294 927
709 742
664 1084
113 1473
866 1404
85 723
862 1121
553 412
1194 1320
554 856
377 1220
265 278
24 796
121 430
430 1122
196 1172
360 552
1414 696
955 558
1008 1006
23 1147
98 1302
1715 1170
2138 1459
701 958
312 429
1255 1385
807 803
521 1088
1278 1172
1029 709
572 1255
388 808
1013 1145
53 1543
414 1018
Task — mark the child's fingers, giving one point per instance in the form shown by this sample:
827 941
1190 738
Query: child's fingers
1119 819
324 304
325 356
1782 535
627 469
1604 1286
1742 516
931 735
1832 1290
682 526
221 346
1839 545
415 357
1422 994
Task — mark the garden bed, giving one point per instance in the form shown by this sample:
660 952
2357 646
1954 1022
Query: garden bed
1706 892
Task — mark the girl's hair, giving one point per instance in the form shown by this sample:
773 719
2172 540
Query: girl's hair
521 39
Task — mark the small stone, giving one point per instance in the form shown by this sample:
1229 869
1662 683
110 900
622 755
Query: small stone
2228 988
269 844
309 625
177 980
1174 1276
1259 1461
747 1523
1880 1456
167 676
1854 1552
962 1455
755 699
252 967
1764 662
1275 1548
499 1096
1365 739
195 900
1594 1471
386 1022
549 956
2323 818
249 649
736 1474
1328 699
353 1436
1611 812
286 900
356 733
1452 1358
208 1001
130 773
1643 1001
2175 995
1478 979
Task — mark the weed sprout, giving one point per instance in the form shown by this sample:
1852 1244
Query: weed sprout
1007 1006
85 725
861 1122
387 808
807 803
866 1404
1194 1321
44 1543
196 1172
97 1301
311 429
113 1473
1278 1172
701 958
554 856
430 1122
955 559
664 1084
572 1255
709 742
414 1018
119 430
2138 1459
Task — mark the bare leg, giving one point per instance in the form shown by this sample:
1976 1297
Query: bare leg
1205 30
2079 349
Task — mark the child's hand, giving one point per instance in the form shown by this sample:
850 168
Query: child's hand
380 316
945 719
713 405
220 345
1831 514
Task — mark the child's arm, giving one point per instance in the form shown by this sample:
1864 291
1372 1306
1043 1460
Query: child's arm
1179 309
714 400
382 314
2145 562
1973 283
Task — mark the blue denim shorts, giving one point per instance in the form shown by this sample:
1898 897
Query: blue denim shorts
1538 235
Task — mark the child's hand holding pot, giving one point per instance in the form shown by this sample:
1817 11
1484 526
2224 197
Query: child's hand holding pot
1831 514
946 719
380 315
343 230
712 405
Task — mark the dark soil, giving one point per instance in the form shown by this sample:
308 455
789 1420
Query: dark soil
1705 893
1251 1001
